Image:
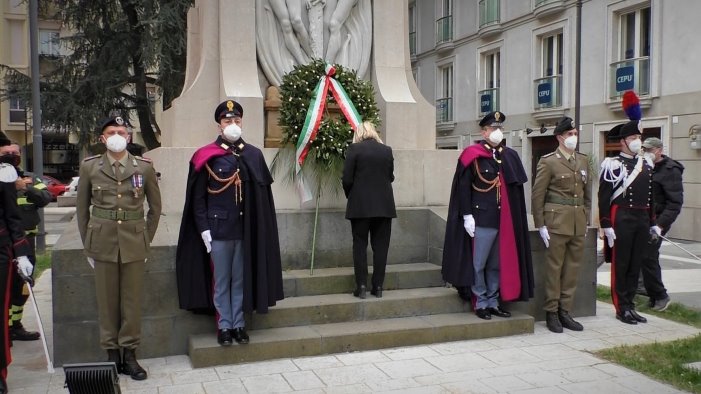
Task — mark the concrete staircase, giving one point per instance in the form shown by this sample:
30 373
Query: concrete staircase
321 316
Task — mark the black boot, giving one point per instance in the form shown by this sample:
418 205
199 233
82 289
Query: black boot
114 356
131 367
568 322
360 292
553 322
3 385
19 333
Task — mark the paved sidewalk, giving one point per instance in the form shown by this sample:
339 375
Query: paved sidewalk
542 362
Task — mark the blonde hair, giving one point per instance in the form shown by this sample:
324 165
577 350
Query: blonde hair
366 131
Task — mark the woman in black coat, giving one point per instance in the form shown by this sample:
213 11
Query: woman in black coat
368 173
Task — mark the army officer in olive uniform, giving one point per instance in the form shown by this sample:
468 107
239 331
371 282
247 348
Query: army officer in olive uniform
116 238
561 202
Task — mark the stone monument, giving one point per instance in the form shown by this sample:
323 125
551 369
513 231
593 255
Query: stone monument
240 49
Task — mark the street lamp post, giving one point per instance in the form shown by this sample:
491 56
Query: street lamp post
36 110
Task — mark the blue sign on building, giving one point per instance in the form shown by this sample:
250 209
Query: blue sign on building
486 103
625 78
545 93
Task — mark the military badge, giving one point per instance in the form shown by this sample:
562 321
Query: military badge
118 120
137 182
230 105
584 176
497 116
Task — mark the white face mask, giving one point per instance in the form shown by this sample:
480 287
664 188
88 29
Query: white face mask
116 143
232 132
635 146
496 136
570 142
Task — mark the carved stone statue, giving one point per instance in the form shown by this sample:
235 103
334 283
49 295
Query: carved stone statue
292 32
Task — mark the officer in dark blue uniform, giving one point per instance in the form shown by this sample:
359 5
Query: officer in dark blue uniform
217 203
626 217
481 206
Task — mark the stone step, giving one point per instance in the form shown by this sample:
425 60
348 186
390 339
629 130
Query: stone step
318 339
342 279
336 308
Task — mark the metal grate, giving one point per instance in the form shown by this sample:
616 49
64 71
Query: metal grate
92 378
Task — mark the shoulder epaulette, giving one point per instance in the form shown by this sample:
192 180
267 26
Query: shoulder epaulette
580 153
146 159
91 157
548 154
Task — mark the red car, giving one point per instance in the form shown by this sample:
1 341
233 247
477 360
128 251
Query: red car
54 186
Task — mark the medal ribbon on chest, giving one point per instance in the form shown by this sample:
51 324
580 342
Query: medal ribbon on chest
137 181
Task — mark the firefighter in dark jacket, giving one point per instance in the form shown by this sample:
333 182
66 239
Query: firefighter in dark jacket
668 195
32 194
14 249
626 217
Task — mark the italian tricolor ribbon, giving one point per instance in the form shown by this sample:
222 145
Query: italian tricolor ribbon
316 111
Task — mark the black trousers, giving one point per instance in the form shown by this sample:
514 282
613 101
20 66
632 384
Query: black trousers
380 230
632 227
652 273
6 269
18 297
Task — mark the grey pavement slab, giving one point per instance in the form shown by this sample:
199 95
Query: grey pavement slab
541 362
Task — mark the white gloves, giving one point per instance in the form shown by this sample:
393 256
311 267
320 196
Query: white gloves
91 261
656 229
24 267
610 236
469 223
207 238
545 235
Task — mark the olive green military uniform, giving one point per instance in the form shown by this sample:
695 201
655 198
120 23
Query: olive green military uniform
561 201
110 212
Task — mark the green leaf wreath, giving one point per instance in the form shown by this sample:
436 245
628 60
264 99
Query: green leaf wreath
324 163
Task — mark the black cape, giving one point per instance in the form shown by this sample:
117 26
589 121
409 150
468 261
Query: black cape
262 264
457 266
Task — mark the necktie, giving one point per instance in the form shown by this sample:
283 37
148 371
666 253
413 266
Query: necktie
117 170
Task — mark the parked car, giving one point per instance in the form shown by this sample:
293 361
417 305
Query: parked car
54 186
72 188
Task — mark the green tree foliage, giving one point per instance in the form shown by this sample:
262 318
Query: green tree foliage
118 49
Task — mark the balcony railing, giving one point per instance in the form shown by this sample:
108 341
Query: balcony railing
489 12
488 100
444 110
444 29
412 43
548 92
629 74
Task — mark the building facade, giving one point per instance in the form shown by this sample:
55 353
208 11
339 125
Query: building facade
471 57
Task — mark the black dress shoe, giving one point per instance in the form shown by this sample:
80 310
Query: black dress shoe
240 335
568 322
131 367
499 312
626 317
637 317
483 313
360 291
376 291
224 337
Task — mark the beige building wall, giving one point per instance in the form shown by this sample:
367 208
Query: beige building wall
670 100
